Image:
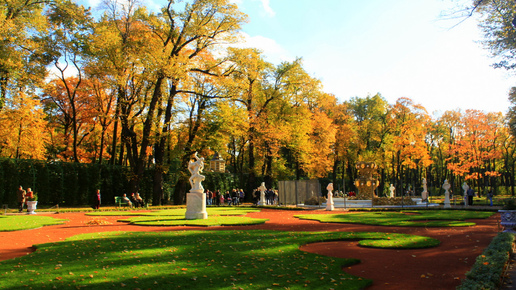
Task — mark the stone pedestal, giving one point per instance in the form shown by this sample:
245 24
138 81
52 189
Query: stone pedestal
196 205
508 220
329 202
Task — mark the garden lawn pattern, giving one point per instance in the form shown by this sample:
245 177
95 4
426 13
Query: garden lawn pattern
193 260
441 267
211 221
26 222
423 218
212 211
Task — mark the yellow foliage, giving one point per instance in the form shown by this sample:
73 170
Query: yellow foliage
23 129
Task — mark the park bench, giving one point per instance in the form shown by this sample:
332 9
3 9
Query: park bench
119 201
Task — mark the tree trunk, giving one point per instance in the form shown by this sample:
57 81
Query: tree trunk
159 152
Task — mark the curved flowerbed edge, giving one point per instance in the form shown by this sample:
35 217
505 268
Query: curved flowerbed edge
487 271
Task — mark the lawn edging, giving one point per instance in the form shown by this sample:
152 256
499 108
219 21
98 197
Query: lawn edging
489 266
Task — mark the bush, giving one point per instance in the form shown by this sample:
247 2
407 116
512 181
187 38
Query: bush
393 201
488 268
315 201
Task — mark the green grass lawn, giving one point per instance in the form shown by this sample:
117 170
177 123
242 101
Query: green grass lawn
250 259
412 218
212 211
25 222
181 221
223 216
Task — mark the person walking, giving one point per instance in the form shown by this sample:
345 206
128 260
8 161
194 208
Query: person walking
471 193
490 197
21 198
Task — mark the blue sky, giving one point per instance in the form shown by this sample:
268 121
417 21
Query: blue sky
398 48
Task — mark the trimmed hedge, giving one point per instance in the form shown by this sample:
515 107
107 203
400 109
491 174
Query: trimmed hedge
75 184
487 271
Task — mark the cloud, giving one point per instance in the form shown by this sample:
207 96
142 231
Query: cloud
264 3
272 51
267 8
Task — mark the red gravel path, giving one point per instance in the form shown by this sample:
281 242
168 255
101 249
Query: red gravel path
442 267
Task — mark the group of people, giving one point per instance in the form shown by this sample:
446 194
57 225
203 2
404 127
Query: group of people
135 200
235 197
271 196
23 197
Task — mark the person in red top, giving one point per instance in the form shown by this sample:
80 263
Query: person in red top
97 199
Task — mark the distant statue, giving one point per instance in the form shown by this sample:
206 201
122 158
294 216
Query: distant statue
195 168
446 187
329 201
424 194
392 191
465 187
262 190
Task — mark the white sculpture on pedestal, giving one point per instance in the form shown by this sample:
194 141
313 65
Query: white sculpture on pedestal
196 198
329 201
465 187
424 194
392 191
195 168
446 187
262 189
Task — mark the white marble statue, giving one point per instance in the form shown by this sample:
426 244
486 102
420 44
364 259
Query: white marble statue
329 201
196 198
195 168
424 194
262 189
465 187
392 191
446 187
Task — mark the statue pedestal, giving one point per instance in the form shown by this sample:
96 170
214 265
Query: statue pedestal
447 200
196 205
329 202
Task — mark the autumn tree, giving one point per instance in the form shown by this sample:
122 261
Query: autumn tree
409 124
23 53
477 146
72 117
150 56
23 131
368 125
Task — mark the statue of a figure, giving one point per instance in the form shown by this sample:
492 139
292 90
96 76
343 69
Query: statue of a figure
446 187
392 189
424 194
262 189
195 168
465 187
329 201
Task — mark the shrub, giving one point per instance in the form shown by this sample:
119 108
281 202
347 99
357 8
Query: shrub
488 268
393 201
315 201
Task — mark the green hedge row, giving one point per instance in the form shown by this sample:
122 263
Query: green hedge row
488 268
75 184
69 184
